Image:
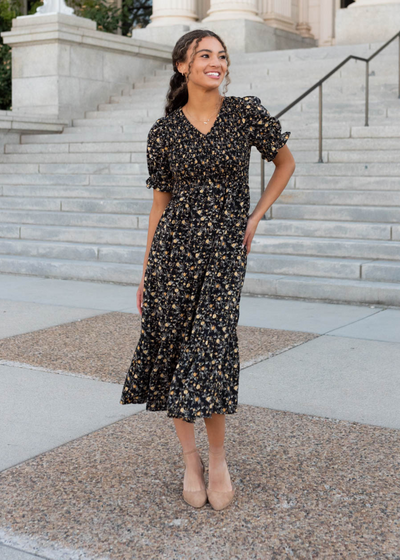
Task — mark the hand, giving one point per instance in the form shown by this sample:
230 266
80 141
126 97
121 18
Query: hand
139 296
252 224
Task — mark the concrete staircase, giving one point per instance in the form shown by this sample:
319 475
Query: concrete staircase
74 205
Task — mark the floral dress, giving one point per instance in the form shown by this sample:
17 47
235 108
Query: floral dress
187 357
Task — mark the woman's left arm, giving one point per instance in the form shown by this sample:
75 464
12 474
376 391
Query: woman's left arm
284 168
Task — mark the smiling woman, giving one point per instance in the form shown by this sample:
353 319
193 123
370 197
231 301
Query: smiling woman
200 232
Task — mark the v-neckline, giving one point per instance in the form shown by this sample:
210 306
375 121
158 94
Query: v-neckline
214 123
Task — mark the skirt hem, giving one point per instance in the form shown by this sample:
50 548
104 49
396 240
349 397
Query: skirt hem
170 414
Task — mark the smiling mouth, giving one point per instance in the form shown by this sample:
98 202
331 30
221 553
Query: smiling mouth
213 74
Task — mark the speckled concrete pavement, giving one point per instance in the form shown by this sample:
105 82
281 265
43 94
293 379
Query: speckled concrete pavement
313 449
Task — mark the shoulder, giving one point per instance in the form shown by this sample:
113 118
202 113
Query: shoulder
246 102
248 106
159 125
159 131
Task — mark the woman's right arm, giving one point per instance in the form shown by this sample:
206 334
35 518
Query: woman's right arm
160 202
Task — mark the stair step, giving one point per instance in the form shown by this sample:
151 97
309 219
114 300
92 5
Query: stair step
347 183
276 285
87 147
109 168
87 135
271 264
285 233
367 145
302 168
319 257
319 247
64 158
348 169
328 229
61 192
347 213
308 132
80 219
297 145
336 290
72 269
340 198
31 196
103 236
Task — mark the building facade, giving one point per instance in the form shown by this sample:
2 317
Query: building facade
256 25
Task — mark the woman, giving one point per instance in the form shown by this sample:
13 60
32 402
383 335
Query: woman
200 233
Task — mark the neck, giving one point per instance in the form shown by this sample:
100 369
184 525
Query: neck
203 103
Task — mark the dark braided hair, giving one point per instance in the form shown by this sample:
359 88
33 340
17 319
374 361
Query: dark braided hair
177 95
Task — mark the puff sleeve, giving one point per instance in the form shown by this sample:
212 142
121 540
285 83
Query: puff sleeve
160 176
265 131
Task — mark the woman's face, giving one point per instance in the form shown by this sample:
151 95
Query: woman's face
209 64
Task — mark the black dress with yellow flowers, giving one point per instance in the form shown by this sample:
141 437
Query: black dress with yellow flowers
187 357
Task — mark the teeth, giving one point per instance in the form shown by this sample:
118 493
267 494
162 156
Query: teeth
212 73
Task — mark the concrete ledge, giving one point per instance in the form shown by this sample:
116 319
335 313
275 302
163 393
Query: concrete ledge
32 123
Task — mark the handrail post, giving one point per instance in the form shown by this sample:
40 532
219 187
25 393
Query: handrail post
399 65
262 181
320 160
366 92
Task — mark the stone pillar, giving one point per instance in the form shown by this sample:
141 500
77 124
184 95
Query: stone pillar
303 27
172 12
230 9
367 21
326 23
278 13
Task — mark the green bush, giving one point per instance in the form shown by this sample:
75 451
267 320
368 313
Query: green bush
9 9
107 16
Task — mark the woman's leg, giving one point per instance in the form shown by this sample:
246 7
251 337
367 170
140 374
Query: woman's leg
219 479
194 477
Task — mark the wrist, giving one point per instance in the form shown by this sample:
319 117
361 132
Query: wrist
253 218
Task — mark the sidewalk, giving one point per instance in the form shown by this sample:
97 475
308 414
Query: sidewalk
313 449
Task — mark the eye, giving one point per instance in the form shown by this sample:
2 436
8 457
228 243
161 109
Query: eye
222 56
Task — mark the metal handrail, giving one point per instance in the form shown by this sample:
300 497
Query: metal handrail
319 83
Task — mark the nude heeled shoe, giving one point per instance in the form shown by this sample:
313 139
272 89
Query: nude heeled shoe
195 498
220 500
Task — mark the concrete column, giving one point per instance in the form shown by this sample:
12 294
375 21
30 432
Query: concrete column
172 12
278 13
230 9
327 23
303 27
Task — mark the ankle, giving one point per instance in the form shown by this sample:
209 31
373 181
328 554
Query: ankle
189 450
216 451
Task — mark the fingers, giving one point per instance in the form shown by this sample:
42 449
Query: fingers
139 302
